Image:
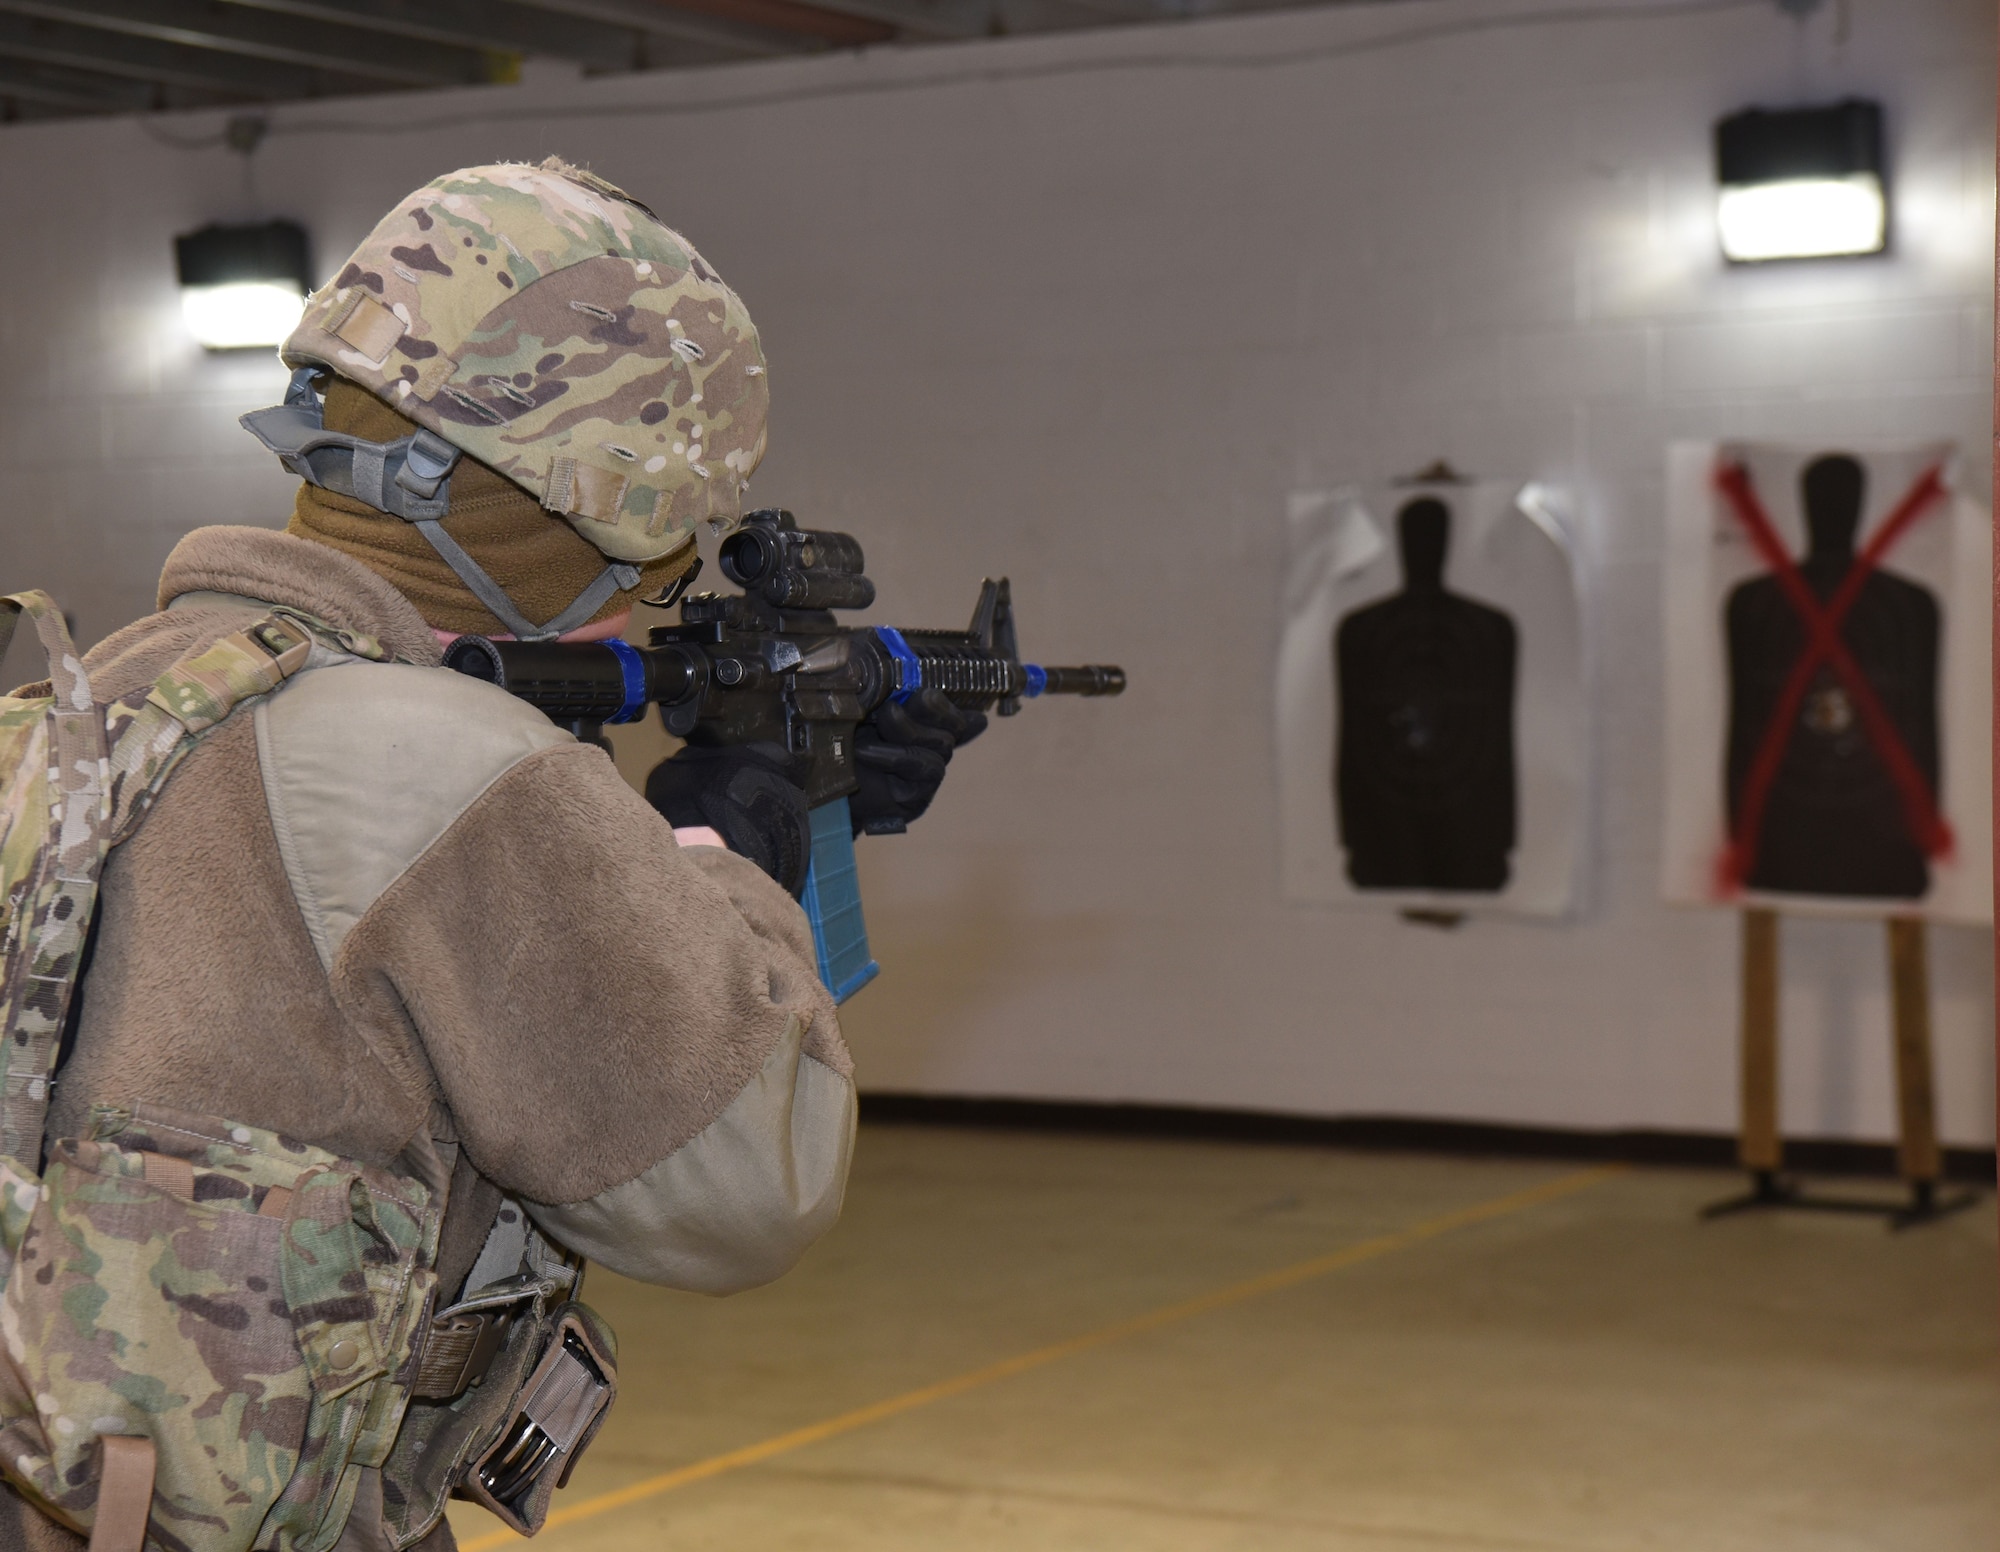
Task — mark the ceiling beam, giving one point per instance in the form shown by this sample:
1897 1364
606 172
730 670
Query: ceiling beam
74 90
1118 12
657 21
167 64
921 18
478 24
277 39
808 21
25 110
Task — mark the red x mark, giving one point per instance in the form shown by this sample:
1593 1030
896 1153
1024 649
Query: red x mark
1823 645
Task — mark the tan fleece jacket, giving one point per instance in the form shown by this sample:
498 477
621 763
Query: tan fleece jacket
391 897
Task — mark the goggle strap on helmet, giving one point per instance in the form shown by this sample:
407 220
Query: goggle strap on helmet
409 478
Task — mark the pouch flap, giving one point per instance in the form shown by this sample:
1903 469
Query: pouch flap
333 1308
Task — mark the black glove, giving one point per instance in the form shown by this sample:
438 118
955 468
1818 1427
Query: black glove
899 758
745 794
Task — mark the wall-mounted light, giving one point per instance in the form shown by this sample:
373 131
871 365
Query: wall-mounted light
243 287
1801 183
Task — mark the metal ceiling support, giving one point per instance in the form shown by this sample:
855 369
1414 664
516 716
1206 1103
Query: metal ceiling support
1118 13
807 21
658 20
66 57
480 24
17 110
74 90
281 40
921 18
168 64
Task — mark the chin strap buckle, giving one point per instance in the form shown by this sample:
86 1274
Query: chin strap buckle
427 465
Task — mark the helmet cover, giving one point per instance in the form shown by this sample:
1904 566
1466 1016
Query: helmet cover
553 328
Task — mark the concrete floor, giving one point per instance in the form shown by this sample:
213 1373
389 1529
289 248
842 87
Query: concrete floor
1593 1373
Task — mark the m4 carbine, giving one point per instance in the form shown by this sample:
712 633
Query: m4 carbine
770 665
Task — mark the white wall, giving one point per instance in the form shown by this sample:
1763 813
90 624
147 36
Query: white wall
1083 310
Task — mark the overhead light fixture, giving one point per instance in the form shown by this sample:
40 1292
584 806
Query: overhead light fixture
1801 183
243 287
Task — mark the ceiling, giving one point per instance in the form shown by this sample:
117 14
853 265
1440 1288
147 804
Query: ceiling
65 58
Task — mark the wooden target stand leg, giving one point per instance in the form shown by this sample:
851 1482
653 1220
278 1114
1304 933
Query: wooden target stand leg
1760 1145
1919 1159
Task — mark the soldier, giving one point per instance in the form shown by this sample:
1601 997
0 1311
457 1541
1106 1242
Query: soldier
398 972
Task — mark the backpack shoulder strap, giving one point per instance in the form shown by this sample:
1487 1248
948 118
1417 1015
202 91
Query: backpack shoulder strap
76 787
54 830
152 730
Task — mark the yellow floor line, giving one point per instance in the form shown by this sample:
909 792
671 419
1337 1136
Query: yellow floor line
1007 1368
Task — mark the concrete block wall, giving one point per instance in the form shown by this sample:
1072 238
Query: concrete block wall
1083 310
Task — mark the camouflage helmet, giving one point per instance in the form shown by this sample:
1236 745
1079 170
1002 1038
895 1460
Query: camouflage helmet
547 324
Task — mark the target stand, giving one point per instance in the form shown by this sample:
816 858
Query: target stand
1760 1146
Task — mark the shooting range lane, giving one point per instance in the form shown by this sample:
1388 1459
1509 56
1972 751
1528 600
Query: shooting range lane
1496 245
1083 1343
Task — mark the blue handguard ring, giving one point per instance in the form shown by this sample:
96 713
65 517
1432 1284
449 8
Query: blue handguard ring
632 671
909 671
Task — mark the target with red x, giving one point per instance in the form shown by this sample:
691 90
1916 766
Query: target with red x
1825 647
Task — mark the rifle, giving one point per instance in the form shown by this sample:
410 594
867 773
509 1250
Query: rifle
770 665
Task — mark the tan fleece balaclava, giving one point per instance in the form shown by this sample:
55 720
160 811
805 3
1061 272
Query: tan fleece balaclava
538 559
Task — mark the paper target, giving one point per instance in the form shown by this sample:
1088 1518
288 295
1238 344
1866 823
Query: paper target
1827 632
1431 714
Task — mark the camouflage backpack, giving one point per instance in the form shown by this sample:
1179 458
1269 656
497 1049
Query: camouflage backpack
189 1306
211 1335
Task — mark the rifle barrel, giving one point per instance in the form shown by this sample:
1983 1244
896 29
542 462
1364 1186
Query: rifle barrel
1086 679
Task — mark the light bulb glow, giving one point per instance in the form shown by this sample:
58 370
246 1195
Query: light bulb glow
243 314
1803 218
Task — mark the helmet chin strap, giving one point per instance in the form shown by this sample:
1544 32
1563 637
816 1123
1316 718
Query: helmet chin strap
409 478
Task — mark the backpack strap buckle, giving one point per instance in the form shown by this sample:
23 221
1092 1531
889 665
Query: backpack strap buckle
458 1350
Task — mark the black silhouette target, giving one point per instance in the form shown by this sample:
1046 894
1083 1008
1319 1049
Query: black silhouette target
1430 739
1832 821
1424 779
